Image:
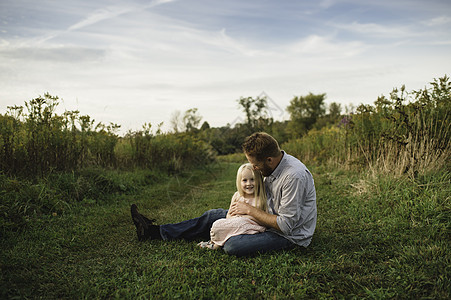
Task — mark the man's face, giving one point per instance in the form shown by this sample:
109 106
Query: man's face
261 166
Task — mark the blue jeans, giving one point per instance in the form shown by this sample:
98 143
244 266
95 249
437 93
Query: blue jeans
241 245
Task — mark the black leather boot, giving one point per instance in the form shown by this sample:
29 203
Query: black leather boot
144 226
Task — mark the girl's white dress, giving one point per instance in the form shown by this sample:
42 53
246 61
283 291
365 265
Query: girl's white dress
223 229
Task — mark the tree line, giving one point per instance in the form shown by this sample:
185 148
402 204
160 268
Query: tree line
306 113
35 141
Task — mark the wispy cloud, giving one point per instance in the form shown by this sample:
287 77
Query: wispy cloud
113 12
52 54
103 14
327 47
378 30
219 41
438 21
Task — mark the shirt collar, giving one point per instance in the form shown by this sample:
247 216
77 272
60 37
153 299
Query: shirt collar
276 173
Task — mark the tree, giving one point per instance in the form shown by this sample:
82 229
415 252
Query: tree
176 121
333 117
304 112
205 126
188 122
191 120
335 110
256 110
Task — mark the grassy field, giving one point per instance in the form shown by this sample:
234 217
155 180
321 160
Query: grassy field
377 237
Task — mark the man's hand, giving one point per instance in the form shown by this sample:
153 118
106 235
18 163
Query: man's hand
240 208
261 217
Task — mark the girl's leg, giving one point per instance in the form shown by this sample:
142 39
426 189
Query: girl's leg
198 228
249 244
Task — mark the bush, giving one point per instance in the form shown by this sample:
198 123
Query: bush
41 142
319 146
407 133
169 152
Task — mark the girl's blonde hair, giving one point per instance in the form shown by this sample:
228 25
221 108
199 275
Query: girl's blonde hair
259 186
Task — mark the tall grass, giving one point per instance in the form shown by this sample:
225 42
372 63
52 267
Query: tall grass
49 162
406 133
39 142
172 152
24 201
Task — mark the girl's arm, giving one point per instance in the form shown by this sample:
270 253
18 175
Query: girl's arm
235 198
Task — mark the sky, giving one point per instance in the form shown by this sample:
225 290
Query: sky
132 62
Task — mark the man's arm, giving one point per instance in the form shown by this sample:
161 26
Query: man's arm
260 216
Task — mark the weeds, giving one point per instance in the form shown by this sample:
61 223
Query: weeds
407 133
42 142
48 162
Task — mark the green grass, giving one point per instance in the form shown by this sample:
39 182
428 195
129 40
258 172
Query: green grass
377 237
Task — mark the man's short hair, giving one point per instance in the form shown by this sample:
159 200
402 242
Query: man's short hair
261 146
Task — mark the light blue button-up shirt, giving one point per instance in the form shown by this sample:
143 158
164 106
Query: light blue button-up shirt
292 198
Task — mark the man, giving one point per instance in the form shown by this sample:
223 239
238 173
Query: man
291 216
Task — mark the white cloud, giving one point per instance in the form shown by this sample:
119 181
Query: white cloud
438 21
378 30
327 3
52 54
111 12
102 14
327 48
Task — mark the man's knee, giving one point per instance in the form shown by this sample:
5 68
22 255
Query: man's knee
237 246
232 248
247 245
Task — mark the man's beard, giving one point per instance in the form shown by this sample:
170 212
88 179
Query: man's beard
266 170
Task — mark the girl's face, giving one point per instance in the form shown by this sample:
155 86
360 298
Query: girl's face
247 182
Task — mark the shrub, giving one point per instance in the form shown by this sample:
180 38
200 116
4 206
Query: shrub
319 146
170 152
41 142
406 133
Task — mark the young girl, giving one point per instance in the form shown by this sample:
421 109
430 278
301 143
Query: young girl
251 190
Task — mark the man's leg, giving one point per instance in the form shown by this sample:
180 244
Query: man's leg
144 226
198 228
248 244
